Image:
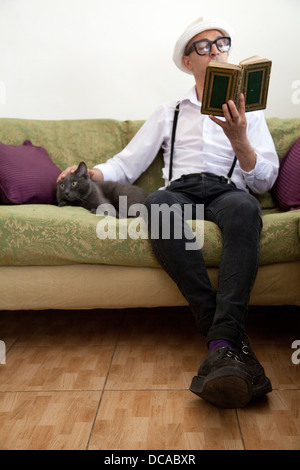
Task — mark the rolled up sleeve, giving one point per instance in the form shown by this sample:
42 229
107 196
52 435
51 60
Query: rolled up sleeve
264 174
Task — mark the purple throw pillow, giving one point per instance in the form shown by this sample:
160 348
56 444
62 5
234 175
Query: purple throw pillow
27 175
286 189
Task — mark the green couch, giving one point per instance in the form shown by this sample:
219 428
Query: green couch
54 258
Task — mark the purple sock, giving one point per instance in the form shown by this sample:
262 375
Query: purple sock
218 343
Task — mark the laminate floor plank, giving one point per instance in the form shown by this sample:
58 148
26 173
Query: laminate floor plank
158 420
120 379
274 424
46 420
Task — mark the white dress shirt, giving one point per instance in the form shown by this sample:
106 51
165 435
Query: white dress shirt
200 146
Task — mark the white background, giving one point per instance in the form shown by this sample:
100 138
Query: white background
77 59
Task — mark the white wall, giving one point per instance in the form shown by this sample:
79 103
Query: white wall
62 59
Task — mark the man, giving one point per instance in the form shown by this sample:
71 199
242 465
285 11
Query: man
204 150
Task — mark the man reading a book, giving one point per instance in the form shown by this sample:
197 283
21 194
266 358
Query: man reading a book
204 171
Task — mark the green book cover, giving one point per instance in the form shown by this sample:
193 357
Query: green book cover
225 81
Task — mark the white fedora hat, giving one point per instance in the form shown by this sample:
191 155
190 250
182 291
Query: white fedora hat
201 24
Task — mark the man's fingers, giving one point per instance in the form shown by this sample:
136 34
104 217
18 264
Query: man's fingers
232 111
66 172
216 120
242 104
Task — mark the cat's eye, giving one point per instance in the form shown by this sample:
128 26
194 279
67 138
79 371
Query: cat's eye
62 185
73 184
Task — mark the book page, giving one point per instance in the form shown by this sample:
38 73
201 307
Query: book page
253 59
223 65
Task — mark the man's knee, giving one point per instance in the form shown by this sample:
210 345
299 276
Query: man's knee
246 212
159 197
248 207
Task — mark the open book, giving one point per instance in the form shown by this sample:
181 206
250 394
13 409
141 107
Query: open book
224 82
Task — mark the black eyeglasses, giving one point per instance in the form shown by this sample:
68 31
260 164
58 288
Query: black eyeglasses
203 47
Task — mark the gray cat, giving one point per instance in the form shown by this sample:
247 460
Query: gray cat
78 189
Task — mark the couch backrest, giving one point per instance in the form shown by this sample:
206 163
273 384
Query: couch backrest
95 140
284 132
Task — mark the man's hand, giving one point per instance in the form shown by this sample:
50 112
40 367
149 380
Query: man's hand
235 128
95 174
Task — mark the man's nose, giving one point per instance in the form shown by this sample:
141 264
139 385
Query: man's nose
214 50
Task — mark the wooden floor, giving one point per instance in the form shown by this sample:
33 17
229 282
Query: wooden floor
119 380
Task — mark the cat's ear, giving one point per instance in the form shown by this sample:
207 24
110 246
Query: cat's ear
82 170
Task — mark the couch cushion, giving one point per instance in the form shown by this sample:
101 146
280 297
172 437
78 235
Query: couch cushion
27 175
49 235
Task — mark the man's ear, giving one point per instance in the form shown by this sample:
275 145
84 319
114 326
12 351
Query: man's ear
186 62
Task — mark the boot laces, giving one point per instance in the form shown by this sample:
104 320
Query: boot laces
245 348
233 355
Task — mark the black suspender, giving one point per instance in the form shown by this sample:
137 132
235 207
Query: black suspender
173 140
229 175
176 113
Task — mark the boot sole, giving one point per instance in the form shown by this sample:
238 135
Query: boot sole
228 390
262 389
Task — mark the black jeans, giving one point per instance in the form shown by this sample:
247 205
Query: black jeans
221 313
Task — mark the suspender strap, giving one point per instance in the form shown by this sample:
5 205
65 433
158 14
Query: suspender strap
176 113
231 170
173 140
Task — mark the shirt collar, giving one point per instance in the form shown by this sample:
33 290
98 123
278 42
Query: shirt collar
191 96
